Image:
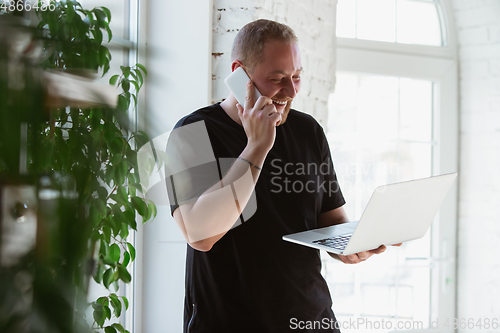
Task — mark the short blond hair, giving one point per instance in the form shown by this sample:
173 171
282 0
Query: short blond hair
250 40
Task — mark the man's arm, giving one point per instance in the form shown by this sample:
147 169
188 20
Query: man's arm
206 219
338 216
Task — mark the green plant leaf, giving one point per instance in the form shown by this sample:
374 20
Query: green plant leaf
105 68
118 220
125 301
139 205
122 193
142 68
97 33
126 85
95 236
110 34
114 252
136 85
102 192
116 304
139 76
107 12
112 80
130 217
100 15
120 176
109 329
119 327
152 206
131 249
104 248
107 311
126 259
133 74
103 55
122 103
149 211
124 274
124 230
125 70
131 176
102 300
99 273
99 315
70 12
107 278
106 231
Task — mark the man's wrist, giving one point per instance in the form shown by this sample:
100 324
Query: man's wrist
253 155
250 163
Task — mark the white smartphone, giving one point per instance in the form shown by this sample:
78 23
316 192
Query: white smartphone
237 83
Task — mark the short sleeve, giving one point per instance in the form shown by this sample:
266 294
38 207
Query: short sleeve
191 166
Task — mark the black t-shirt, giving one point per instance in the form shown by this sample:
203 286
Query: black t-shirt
252 280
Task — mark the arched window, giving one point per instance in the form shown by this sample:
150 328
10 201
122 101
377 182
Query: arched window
393 117
392 21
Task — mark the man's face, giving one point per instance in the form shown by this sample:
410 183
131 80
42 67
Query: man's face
277 75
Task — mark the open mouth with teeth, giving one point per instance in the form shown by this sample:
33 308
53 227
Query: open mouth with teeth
279 102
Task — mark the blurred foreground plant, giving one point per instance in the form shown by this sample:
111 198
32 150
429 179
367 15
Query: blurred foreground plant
87 156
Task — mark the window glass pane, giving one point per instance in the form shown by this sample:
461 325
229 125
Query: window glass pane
380 131
376 20
346 22
418 23
400 21
416 109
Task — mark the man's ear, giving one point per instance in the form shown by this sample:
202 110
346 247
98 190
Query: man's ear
235 64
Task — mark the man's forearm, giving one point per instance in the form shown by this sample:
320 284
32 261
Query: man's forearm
205 220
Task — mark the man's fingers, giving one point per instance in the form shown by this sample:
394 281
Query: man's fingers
350 259
398 244
264 103
276 118
249 98
364 255
379 250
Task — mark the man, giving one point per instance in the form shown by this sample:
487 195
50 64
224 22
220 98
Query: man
247 279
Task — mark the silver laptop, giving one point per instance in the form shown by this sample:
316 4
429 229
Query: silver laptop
396 213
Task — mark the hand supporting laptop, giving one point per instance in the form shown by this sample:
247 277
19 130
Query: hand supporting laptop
356 258
339 216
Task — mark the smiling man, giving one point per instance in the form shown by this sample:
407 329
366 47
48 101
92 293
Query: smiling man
247 279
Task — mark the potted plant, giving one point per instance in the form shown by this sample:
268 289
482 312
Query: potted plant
89 158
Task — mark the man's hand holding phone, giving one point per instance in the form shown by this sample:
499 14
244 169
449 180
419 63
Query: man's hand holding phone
259 119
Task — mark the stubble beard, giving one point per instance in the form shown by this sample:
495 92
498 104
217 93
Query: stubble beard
285 112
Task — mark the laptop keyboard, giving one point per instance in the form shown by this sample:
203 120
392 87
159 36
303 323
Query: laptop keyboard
336 242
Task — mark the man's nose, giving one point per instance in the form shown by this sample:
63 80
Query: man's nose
291 88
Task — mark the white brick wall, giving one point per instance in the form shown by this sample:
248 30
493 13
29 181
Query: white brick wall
478 25
312 21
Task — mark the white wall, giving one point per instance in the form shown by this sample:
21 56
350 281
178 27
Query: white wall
478 24
178 46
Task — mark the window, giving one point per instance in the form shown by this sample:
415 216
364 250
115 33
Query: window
393 117
391 21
